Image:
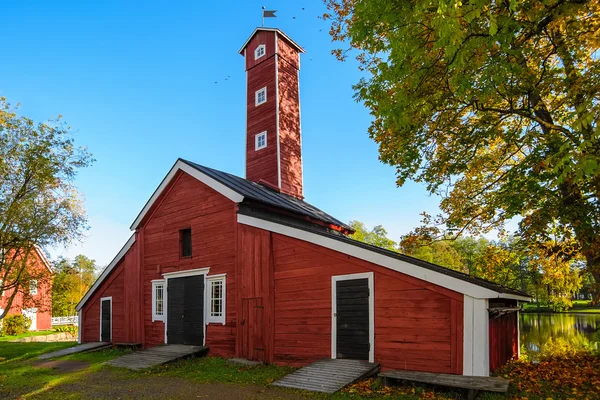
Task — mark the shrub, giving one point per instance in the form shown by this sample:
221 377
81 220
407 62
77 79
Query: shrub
72 329
15 325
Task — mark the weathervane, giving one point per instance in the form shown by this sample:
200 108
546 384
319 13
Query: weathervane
267 14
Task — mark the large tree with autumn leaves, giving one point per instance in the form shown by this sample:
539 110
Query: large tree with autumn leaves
492 104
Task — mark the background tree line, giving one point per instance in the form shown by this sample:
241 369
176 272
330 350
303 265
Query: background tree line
72 280
553 280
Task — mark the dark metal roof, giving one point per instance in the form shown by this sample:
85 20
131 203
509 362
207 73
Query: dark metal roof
266 195
415 261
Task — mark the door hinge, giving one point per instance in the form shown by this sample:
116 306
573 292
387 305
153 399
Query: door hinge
259 307
258 348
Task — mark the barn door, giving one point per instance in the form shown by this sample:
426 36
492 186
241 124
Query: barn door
185 310
352 318
253 347
106 320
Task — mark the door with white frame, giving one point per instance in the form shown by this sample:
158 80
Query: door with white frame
31 313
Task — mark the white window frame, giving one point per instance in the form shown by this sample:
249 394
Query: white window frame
260 91
155 284
257 145
209 281
258 49
33 286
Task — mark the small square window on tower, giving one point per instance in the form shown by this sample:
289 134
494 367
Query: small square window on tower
260 96
259 51
260 141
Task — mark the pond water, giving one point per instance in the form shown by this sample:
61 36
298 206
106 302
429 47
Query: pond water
544 334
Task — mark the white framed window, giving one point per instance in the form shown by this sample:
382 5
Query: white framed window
215 298
260 96
33 286
260 140
259 51
158 300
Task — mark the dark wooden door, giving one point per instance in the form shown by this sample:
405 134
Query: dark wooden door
352 319
253 347
105 323
185 310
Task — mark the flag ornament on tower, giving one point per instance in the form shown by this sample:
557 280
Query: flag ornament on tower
267 14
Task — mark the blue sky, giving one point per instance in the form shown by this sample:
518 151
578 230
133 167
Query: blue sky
136 81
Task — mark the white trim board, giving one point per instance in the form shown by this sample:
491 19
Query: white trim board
427 275
106 271
243 48
476 347
111 315
207 180
334 280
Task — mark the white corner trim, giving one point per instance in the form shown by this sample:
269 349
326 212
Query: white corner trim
476 344
106 271
334 280
207 180
277 111
79 324
394 264
111 313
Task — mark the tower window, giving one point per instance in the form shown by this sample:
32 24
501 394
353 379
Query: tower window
259 51
260 141
185 242
260 96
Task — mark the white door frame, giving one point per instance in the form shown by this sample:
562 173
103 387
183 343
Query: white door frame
184 274
31 313
334 280
111 313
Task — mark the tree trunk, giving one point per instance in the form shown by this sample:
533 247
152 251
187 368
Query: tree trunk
595 271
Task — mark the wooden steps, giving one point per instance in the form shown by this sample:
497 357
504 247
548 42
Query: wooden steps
328 375
473 383
157 356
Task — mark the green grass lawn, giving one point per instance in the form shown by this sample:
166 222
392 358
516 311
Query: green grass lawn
26 334
21 377
579 306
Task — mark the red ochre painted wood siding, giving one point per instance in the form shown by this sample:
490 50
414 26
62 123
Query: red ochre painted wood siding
262 37
188 203
288 52
113 286
418 326
256 286
262 164
504 340
289 128
42 300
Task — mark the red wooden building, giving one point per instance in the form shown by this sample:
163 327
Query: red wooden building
248 268
34 300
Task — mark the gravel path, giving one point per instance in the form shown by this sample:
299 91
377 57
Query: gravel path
106 384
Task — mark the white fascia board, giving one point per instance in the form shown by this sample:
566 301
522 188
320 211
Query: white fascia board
207 180
300 49
394 264
515 297
106 271
44 258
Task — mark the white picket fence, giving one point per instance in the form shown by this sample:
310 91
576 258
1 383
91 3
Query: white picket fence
72 320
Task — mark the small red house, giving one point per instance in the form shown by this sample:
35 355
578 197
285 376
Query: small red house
33 301
248 268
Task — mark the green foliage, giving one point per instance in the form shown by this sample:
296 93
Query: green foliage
39 205
71 281
72 329
441 253
15 325
493 105
377 236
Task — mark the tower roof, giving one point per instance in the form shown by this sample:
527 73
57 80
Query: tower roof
279 32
